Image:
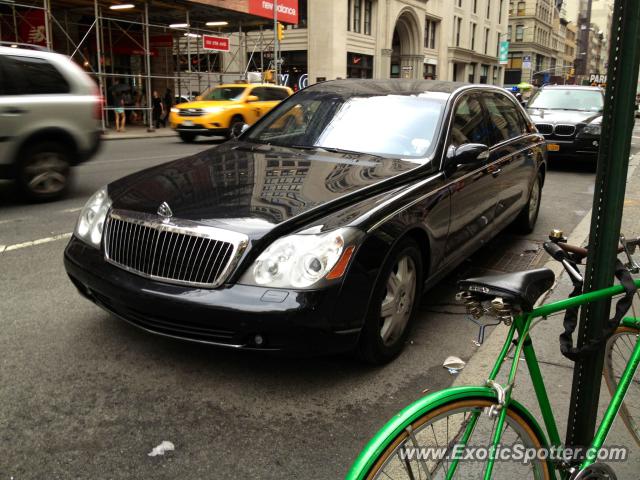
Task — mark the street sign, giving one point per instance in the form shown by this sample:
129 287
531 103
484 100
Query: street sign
407 68
221 44
526 61
504 53
597 78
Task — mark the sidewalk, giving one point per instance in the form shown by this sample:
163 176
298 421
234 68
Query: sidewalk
137 131
557 370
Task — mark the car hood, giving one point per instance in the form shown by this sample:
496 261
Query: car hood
571 117
207 104
253 188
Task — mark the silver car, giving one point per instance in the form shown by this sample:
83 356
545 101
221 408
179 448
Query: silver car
49 120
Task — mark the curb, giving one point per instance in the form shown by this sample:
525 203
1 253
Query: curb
480 363
136 136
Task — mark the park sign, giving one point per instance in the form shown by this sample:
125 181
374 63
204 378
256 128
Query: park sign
210 42
504 53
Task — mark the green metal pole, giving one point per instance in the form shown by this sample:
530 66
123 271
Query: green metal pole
613 160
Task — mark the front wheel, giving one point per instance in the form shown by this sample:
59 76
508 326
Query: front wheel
187 137
526 220
393 304
428 446
44 171
617 356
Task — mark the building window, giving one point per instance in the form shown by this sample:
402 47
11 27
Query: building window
509 31
367 17
475 6
489 8
515 60
521 8
486 41
356 15
359 65
519 33
458 21
500 12
430 33
349 9
460 3
484 73
472 72
429 71
473 36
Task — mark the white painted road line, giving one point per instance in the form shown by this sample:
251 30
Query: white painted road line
40 241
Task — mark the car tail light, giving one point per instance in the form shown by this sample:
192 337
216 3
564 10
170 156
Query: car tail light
99 104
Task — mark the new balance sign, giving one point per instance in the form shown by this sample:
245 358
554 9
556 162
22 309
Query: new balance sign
287 10
209 42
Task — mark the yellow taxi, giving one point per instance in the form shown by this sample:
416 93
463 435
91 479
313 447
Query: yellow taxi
224 109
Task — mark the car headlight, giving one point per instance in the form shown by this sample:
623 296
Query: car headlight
304 260
175 110
592 129
213 109
91 222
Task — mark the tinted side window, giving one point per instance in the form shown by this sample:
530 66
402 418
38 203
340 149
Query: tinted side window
504 119
277 93
33 76
469 125
261 93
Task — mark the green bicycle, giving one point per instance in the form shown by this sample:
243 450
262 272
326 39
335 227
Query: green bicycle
474 432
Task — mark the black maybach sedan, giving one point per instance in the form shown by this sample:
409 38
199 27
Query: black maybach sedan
319 228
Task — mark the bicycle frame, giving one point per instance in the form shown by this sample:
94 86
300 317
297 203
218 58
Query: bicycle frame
522 324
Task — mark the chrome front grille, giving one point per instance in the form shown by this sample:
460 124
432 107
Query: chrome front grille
181 252
545 128
565 130
191 112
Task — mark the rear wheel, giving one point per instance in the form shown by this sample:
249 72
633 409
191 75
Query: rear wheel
435 437
187 137
44 171
526 220
617 355
393 304
235 127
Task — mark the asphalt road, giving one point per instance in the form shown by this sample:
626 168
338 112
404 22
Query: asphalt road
83 395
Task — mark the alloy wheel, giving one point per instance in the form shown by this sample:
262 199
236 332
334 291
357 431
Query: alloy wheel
46 173
398 300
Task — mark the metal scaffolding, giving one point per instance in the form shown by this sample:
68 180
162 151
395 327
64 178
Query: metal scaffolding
93 28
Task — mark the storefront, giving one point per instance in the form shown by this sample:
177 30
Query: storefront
359 65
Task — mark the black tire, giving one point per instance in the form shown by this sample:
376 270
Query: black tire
236 123
372 348
44 171
187 137
525 222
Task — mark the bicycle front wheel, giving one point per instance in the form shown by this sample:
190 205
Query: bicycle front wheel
427 448
617 355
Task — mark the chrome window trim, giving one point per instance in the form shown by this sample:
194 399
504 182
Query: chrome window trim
239 242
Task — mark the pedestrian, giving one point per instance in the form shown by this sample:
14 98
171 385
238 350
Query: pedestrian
158 108
117 95
167 102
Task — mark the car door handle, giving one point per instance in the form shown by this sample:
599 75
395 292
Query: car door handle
12 111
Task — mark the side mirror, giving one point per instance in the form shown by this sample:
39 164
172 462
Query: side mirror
252 98
470 154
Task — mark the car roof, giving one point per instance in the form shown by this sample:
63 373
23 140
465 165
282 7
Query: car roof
244 85
396 86
570 87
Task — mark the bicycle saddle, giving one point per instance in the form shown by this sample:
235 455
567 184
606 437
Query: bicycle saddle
521 288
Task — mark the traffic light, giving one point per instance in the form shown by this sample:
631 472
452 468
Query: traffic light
572 72
280 32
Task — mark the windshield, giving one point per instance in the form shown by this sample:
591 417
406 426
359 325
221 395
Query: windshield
401 126
567 99
223 93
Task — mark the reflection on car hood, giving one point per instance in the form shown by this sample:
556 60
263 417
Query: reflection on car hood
571 117
251 190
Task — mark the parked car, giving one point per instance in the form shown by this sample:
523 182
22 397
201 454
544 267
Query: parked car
224 109
49 120
320 237
570 118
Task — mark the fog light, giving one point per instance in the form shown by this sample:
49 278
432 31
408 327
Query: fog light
258 340
595 143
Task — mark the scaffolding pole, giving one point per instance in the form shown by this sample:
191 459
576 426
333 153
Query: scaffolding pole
147 55
103 92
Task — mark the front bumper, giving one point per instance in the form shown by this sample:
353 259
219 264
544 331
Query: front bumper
300 322
575 147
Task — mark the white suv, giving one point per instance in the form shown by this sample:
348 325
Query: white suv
49 120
